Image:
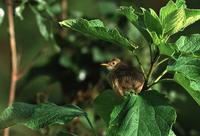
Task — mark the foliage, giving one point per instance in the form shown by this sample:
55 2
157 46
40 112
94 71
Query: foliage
38 116
148 113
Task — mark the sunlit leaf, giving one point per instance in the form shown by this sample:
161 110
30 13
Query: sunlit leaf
146 114
189 44
96 29
2 13
19 9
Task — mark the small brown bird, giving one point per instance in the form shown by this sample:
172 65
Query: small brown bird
122 77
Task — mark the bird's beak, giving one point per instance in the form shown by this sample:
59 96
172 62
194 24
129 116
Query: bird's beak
105 64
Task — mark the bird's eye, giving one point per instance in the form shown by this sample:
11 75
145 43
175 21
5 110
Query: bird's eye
113 63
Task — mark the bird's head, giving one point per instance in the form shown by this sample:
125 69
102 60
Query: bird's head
112 64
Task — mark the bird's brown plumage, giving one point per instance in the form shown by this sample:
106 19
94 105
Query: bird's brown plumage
123 78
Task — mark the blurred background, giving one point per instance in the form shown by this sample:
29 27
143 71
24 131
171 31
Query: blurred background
63 66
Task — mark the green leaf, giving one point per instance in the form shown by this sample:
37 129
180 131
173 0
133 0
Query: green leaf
176 16
189 44
96 28
136 19
189 67
174 22
105 103
129 12
147 114
19 9
153 25
192 15
38 116
167 10
152 21
167 49
185 83
41 24
172 17
2 13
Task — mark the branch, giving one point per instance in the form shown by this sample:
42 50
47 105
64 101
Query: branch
64 8
158 78
13 53
141 67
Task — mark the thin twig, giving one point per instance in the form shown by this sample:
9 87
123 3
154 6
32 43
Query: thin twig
162 61
161 80
64 8
152 67
141 66
158 78
13 52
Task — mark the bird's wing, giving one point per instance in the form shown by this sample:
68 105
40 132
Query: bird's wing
129 79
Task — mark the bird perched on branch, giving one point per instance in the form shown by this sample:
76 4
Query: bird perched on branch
123 77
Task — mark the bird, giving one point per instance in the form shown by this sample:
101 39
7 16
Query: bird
124 78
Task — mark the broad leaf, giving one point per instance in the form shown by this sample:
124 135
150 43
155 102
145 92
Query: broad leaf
185 83
152 21
192 15
167 10
105 103
189 45
176 16
38 116
96 28
142 115
189 67
167 49
153 25
174 22
136 19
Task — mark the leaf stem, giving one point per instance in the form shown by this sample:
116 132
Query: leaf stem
13 53
162 61
158 78
86 116
152 67
162 80
141 66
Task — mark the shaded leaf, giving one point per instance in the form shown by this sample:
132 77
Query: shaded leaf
189 68
146 114
105 103
96 28
153 25
185 83
38 116
167 49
